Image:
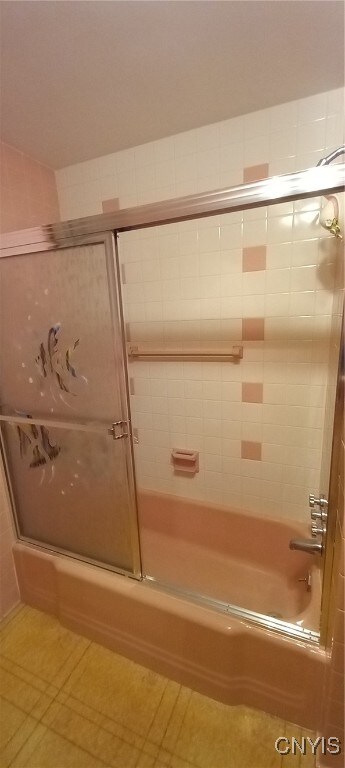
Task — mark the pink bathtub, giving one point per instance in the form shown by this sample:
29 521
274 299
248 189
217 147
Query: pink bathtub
226 555
230 556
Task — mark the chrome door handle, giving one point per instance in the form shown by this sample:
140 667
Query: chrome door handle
118 430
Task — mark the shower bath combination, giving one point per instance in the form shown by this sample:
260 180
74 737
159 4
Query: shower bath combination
215 597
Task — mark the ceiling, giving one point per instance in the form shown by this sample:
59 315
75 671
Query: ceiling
82 79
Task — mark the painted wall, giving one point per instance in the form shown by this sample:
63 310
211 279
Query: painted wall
28 191
28 198
263 278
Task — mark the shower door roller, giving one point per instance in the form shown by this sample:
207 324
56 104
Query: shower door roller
118 430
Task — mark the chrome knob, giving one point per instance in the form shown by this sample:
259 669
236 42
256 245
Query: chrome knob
316 515
322 502
317 530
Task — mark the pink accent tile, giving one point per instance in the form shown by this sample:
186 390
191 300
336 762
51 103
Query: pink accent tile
110 205
254 259
251 450
253 328
252 393
255 173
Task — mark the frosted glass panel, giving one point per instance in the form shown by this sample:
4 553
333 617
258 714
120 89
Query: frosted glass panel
57 335
71 490
62 364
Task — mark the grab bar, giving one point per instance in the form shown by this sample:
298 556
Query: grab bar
134 351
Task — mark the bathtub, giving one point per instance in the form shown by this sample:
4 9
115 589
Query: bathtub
230 556
224 555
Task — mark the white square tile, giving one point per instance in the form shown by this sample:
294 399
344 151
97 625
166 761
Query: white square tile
256 150
279 229
253 283
188 242
231 448
304 253
213 463
230 411
190 309
231 307
231 157
311 136
164 173
302 303
253 305
168 245
209 239
212 445
231 236
154 311
210 309
254 233
190 288
231 430
303 278
277 305
251 431
231 390
209 286
108 187
274 393
170 268
209 263
208 163
231 285
126 183
150 270
277 280
278 256
335 131
283 144
185 169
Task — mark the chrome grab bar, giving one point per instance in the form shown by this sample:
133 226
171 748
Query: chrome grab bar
135 352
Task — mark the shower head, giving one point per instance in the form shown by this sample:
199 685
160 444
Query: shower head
332 156
329 214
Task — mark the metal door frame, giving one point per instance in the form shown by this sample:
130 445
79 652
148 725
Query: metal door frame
108 239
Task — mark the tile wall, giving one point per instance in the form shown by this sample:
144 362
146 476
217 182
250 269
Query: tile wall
263 279
28 198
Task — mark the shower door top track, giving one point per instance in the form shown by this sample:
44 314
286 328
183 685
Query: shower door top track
314 181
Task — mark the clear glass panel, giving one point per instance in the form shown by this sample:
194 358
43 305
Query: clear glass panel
57 335
263 279
71 490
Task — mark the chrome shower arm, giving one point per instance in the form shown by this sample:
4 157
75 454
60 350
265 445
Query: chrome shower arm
332 156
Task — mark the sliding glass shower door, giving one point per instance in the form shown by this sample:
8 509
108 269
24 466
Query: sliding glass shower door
64 407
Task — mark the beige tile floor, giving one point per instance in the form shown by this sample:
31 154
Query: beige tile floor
69 703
